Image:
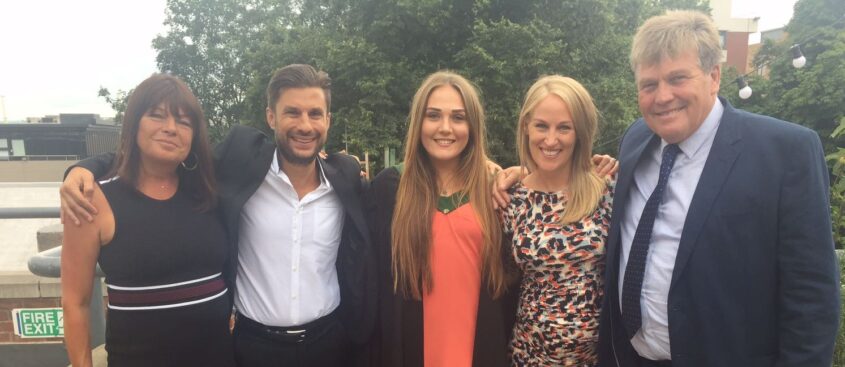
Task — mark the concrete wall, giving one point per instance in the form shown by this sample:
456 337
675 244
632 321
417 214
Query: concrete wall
33 171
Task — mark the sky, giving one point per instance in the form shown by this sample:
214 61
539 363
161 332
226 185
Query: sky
773 13
56 54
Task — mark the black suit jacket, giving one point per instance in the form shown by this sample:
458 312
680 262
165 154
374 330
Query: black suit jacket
756 279
241 162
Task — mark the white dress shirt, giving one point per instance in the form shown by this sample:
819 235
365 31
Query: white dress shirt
652 340
286 252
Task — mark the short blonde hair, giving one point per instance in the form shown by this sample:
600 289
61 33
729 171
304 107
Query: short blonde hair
674 33
585 188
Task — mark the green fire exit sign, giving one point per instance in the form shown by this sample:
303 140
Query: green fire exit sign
38 322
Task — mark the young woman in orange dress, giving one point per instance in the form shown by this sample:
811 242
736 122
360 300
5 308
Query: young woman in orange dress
438 239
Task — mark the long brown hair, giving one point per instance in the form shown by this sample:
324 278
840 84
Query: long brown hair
178 99
585 187
417 196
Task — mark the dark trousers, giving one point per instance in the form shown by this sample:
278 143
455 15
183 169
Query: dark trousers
323 343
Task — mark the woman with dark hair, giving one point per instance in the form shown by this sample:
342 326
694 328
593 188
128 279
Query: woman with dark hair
157 238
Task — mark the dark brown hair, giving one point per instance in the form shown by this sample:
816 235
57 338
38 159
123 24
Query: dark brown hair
298 76
175 95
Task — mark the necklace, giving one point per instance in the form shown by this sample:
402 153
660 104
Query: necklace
444 188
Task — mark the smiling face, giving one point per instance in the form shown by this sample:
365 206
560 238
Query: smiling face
675 95
164 138
445 130
301 122
551 135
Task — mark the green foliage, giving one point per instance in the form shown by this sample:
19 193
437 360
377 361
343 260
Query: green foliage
836 161
208 45
117 102
378 51
839 350
811 96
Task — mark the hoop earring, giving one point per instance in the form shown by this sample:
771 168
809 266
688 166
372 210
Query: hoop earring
192 166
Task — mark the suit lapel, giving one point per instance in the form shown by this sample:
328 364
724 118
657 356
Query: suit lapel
256 165
723 154
348 198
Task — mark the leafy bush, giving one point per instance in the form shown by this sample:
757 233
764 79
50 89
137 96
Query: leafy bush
839 351
837 188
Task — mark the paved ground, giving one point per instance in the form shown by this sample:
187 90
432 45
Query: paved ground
18 236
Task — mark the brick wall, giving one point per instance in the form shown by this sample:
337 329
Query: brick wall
7 332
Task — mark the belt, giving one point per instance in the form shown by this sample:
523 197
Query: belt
295 334
645 362
161 296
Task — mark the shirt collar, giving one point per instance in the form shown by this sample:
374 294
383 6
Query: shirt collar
691 145
275 169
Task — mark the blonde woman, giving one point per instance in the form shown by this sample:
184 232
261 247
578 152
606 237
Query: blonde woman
558 217
438 238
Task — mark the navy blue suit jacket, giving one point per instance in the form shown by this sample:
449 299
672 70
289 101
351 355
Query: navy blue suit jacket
756 278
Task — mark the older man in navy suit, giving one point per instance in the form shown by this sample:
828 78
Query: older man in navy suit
720 251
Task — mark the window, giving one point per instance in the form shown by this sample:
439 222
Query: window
4 149
18 149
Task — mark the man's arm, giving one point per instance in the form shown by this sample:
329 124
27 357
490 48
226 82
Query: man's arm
808 267
77 189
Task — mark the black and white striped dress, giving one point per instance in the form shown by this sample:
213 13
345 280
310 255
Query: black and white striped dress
168 303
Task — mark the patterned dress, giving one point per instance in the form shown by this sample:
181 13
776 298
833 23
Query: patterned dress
563 278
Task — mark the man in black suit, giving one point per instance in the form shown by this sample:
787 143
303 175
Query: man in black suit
720 251
302 264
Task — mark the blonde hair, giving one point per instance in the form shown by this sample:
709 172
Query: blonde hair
585 187
417 195
674 33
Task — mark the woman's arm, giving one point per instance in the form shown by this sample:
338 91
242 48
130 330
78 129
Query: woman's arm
81 247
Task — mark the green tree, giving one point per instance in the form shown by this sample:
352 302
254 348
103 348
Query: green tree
208 43
836 160
813 95
378 51
117 102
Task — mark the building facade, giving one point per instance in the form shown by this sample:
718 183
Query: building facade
734 33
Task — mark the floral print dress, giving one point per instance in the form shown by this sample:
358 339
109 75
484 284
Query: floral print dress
562 278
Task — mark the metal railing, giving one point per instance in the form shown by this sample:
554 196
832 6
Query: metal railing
28 213
48 264
40 158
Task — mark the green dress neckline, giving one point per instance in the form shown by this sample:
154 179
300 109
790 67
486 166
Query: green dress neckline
445 204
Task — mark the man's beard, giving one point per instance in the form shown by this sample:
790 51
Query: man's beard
290 156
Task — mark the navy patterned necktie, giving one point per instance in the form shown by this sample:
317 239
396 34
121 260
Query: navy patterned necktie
632 285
